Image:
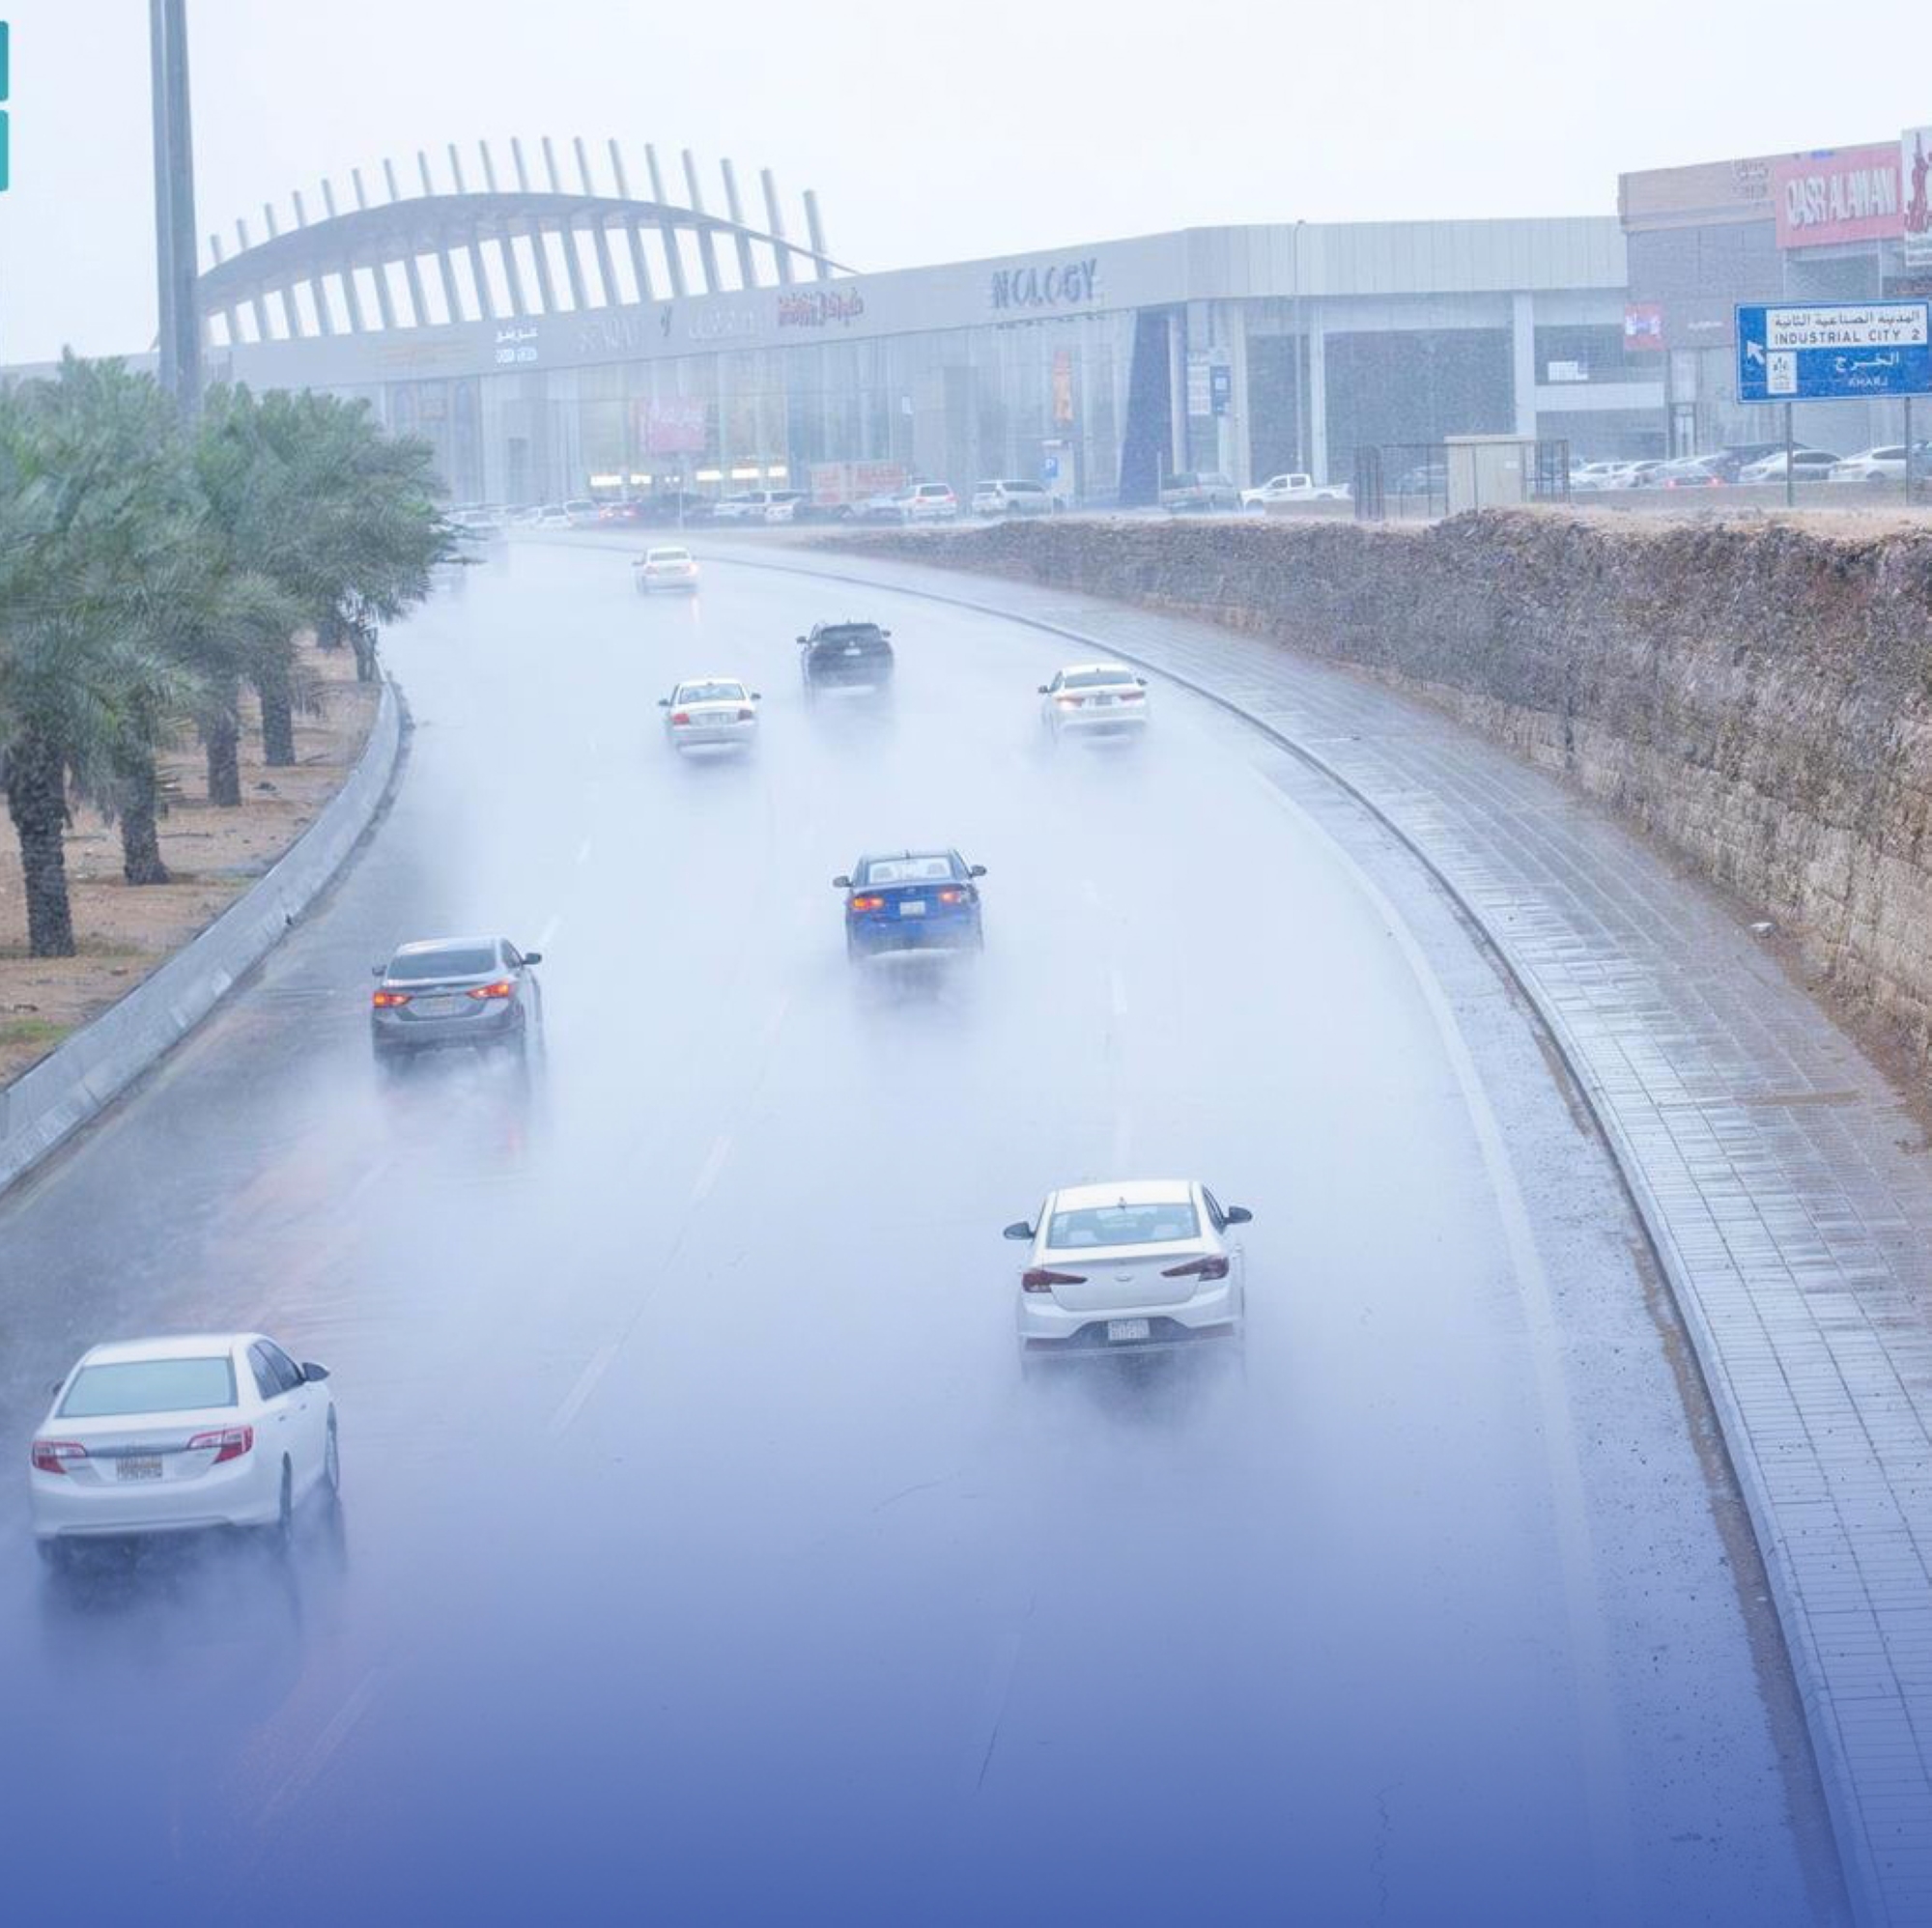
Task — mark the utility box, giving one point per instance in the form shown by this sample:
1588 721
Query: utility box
1489 472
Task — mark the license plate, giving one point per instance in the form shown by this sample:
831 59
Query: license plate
438 1006
913 907
1127 1328
147 1467
1101 702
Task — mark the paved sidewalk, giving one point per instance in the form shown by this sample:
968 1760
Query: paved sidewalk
1787 1189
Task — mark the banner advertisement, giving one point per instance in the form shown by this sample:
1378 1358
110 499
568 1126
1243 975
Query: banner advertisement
1829 198
672 425
1914 165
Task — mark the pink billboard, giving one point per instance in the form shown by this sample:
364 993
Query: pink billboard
1841 194
674 425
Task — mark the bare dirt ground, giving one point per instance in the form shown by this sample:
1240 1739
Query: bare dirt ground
214 855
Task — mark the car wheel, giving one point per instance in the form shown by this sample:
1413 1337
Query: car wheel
331 1464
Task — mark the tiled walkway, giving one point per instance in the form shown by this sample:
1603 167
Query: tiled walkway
1787 1190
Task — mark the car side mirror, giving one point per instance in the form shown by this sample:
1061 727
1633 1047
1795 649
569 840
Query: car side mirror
1142 681
1044 691
532 956
1238 1214
663 702
757 695
975 870
378 970
841 882
884 632
313 1373
1019 1229
804 639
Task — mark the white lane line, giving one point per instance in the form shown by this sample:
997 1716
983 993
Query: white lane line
713 1163
331 1736
565 1416
547 936
583 851
1116 993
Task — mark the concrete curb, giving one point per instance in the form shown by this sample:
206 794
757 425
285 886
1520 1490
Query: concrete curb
44 1108
1836 1774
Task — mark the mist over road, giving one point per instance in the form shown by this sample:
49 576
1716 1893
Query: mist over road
703 1556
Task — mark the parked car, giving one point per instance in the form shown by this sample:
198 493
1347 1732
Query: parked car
1199 492
927 503
444 991
1807 465
711 712
847 658
668 567
1874 465
1141 1265
1590 478
912 900
621 515
1426 478
1279 490
551 515
182 1434
756 505
583 512
1094 700
1011 499
1692 471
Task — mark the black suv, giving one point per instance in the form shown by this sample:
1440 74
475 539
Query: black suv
846 657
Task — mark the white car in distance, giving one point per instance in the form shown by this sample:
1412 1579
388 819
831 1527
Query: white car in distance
711 712
1135 1265
668 567
174 1435
1278 491
1095 699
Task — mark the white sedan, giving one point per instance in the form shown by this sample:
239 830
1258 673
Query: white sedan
1139 1265
1094 700
715 712
171 1436
669 567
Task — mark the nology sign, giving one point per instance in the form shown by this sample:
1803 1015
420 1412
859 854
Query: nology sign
1844 195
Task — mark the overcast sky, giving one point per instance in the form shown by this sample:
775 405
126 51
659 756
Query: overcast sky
933 131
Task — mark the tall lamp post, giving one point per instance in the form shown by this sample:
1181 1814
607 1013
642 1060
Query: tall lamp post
180 309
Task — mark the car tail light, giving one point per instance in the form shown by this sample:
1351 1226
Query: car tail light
1198 1268
1133 696
1043 1279
866 904
1069 702
680 716
746 716
501 988
953 896
50 1456
388 1001
230 1443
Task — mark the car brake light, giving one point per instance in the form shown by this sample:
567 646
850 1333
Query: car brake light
1043 1279
385 1001
501 988
866 904
680 716
1069 702
953 896
50 1455
230 1443
1198 1268
1133 696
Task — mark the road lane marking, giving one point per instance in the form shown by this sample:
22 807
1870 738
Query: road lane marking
714 1164
309 1769
565 1416
583 851
1117 992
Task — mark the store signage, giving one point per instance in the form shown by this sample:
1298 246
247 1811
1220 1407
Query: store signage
1070 284
1708 194
1915 171
1644 327
1833 351
516 346
1850 194
674 425
819 308
719 324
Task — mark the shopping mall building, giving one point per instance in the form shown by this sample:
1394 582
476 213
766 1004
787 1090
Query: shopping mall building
555 335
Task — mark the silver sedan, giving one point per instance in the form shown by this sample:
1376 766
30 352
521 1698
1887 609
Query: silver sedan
455 990
711 712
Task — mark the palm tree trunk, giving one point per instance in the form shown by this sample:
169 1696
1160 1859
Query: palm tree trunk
279 718
364 636
36 802
140 827
221 737
329 632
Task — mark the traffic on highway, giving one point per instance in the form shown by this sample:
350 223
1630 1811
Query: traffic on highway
702 1503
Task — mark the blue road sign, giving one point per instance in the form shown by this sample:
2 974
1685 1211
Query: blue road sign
1833 351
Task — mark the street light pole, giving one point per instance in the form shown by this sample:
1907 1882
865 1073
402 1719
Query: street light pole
179 310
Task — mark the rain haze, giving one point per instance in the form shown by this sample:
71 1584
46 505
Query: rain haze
868 1243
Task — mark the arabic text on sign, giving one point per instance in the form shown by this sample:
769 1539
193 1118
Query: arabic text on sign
1853 326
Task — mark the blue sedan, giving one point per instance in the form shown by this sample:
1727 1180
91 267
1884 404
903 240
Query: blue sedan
912 900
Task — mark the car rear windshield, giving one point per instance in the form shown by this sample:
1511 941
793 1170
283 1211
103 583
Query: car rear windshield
669 555
711 693
150 1385
1095 679
909 870
866 638
454 962
1123 1225
1022 487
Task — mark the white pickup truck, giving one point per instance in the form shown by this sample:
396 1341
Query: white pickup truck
1280 488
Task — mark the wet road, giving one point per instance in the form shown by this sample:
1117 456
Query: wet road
703 1556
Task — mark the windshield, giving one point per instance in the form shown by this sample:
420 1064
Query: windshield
908 870
1102 678
456 960
710 693
150 1385
1123 1225
669 555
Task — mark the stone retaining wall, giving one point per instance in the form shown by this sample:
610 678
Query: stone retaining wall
1753 693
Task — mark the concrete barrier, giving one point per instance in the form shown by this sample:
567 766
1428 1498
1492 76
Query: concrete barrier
46 1105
